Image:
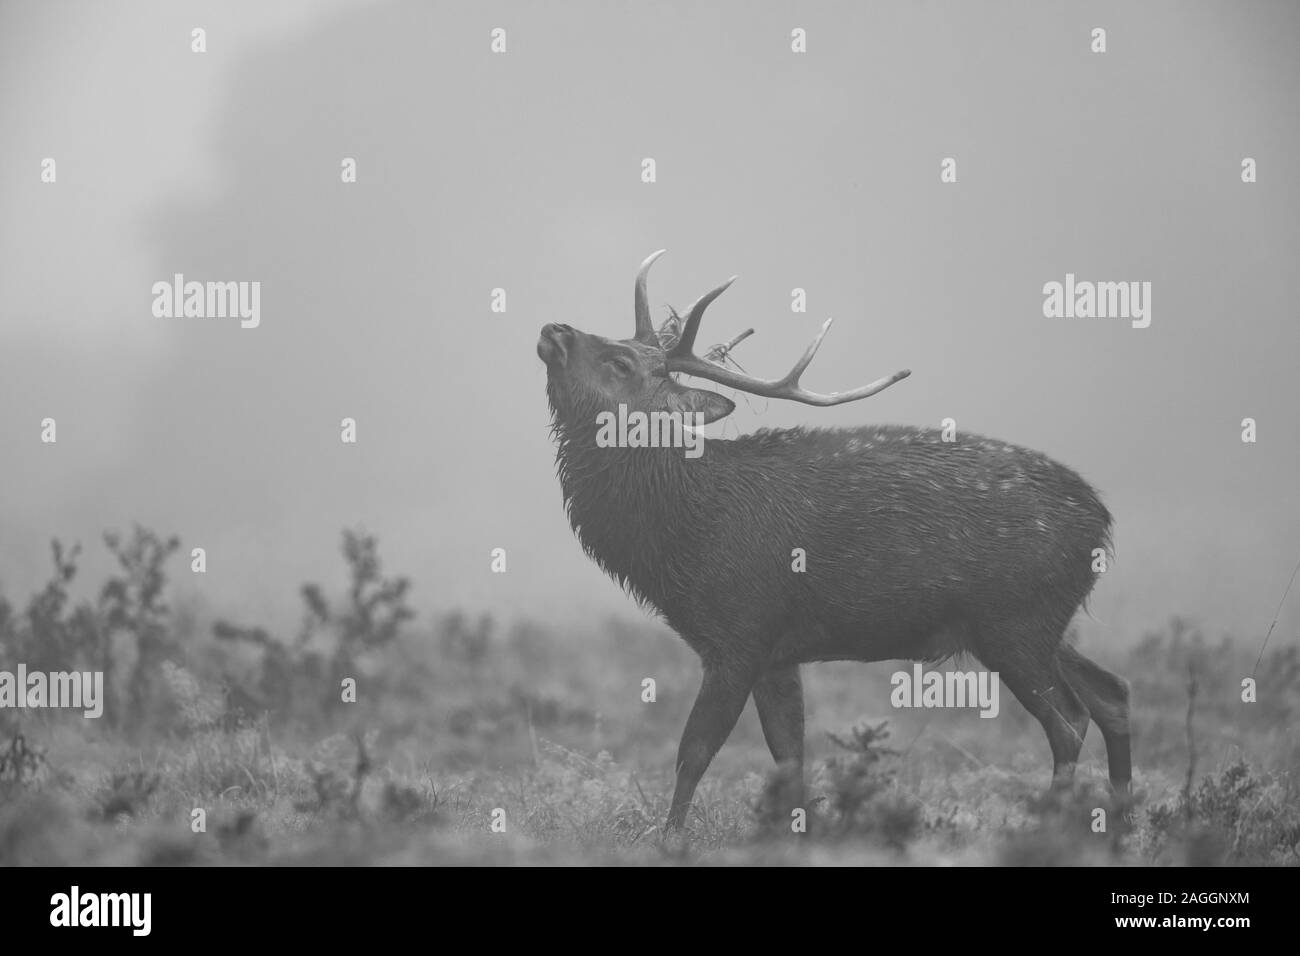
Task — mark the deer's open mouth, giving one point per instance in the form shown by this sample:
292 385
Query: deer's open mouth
551 344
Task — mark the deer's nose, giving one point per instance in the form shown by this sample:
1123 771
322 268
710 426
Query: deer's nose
552 343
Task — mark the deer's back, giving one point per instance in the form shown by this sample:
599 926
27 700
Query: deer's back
914 537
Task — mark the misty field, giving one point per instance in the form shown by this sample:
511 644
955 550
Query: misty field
470 742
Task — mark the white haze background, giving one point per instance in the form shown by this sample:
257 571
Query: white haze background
522 171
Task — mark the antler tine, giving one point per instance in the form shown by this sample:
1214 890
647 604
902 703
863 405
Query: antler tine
686 343
719 352
787 387
645 330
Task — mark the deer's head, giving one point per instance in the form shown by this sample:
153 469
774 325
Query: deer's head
588 374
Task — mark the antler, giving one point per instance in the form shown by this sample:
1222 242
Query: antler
645 330
682 358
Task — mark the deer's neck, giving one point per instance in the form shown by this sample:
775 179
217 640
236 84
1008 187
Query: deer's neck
637 511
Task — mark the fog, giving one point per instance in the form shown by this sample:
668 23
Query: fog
522 171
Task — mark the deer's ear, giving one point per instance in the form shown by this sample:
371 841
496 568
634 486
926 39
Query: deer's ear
679 398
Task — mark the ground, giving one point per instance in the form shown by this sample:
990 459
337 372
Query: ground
472 743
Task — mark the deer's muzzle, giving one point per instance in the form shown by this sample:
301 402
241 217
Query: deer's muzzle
553 344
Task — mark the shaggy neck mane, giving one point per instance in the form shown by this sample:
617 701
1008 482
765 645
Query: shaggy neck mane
637 511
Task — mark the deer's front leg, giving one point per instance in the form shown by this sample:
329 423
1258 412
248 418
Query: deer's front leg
778 696
717 707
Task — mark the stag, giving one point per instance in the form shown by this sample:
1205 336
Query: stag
916 548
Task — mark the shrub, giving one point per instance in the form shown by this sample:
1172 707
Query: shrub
305 677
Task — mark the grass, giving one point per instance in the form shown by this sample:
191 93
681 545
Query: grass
470 743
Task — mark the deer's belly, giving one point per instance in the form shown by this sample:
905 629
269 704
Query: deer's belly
883 637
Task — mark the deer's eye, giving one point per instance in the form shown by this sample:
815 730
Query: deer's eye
623 365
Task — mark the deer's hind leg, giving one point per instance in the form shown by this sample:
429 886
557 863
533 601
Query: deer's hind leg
1023 651
1106 696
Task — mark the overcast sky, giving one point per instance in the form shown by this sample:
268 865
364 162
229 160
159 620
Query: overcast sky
523 171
